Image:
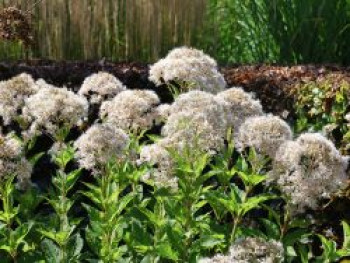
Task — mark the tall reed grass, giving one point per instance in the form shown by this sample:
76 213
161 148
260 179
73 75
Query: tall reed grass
289 31
116 29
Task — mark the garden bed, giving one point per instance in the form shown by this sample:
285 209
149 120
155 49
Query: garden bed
176 154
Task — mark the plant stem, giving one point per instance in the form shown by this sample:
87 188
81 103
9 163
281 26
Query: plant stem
237 218
236 221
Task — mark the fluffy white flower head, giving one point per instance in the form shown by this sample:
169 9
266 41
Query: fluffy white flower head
202 103
99 144
189 66
188 52
264 133
239 106
12 161
163 174
101 86
52 108
252 250
13 93
308 170
131 109
193 131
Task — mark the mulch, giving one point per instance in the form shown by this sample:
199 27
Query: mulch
272 84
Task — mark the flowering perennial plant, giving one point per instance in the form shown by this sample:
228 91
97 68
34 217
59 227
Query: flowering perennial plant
194 131
52 109
167 184
239 105
100 144
264 133
162 112
101 86
13 162
308 170
189 66
131 110
162 173
201 103
13 94
188 52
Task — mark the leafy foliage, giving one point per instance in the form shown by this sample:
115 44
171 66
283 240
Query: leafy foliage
114 217
323 105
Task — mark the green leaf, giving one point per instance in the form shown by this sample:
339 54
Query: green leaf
72 178
151 217
250 232
346 234
271 228
218 207
175 235
165 251
329 249
303 252
75 247
211 241
35 158
64 157
254 202
51 251
21 232
139 238
123 203
294 236
29 201
242 165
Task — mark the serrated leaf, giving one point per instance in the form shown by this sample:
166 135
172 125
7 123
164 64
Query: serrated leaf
254 202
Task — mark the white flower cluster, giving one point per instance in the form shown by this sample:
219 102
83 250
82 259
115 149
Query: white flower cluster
187 52
99 144
264 133
252 250
162 113
131 110
162 173
239 106
12 161
308 170
200 102
191 66
197 120
191 131
101 86
13 94
51 109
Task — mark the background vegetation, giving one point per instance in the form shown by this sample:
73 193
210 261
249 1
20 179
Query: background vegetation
293 31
